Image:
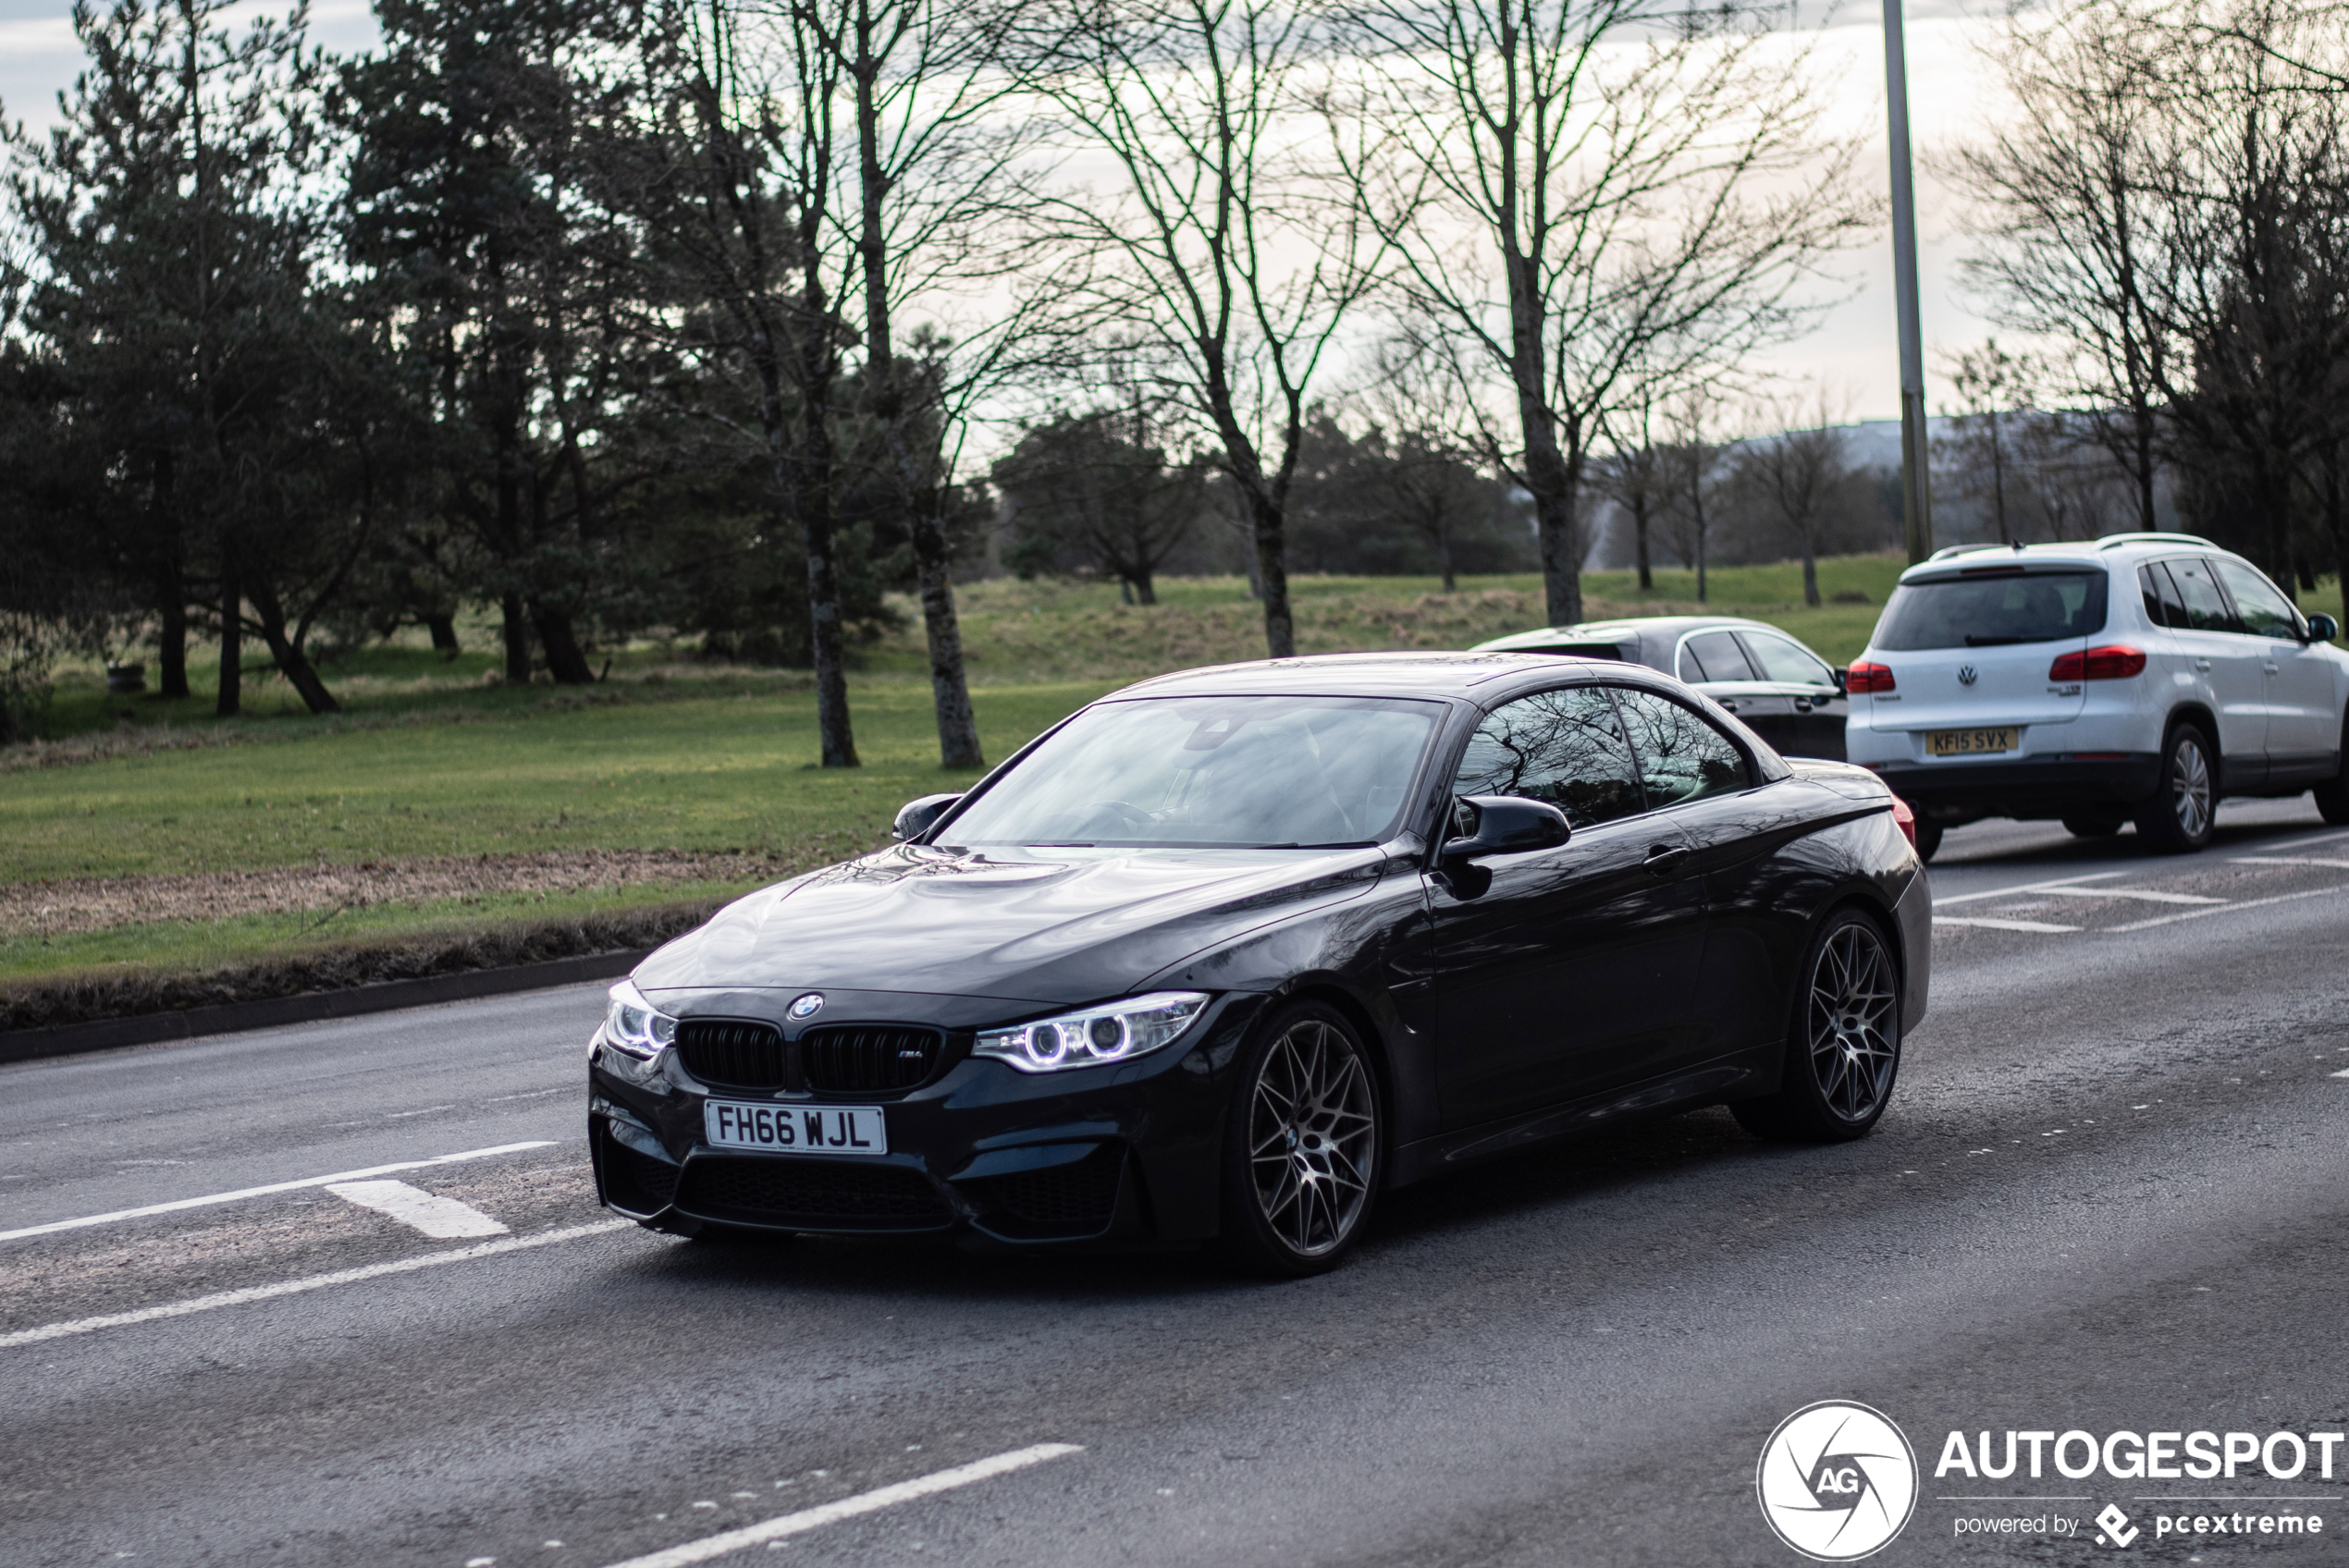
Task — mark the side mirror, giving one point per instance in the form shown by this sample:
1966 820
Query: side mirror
915 818
1504 825
1843 681
2323 629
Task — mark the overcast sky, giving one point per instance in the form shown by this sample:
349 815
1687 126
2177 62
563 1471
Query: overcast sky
1853 351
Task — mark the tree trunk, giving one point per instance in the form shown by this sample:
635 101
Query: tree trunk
1444 555
1809 572
171 640
1145 588
293 663
949 691
565 660
1640 530
517 631
444 635
232 643
1271 577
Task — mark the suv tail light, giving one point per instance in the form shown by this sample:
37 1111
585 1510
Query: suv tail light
1905 820
2115 661
1862 678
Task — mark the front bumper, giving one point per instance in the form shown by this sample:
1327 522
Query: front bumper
2034 787
1124 1152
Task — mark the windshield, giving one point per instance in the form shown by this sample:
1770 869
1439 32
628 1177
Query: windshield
1211 772
1988 612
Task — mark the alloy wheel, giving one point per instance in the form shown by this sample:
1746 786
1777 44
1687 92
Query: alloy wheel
1853 997
2190 786
1312 1138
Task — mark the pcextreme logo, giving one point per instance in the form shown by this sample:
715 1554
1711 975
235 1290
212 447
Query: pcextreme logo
1837 1481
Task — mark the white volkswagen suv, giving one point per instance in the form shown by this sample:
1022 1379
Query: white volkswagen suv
2138 678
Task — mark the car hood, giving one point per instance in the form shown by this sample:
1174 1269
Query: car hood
1032 927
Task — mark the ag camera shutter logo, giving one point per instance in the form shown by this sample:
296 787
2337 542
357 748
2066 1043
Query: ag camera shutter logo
1837 1481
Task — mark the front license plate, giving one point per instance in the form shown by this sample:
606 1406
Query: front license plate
795 1129
1970 742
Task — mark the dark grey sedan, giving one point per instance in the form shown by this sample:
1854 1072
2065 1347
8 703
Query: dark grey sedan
1785 693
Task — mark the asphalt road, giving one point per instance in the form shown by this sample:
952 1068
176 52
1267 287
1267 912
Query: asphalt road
2109 1196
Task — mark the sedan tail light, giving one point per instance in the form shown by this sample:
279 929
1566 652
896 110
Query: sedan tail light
1865 677
2115 661
1905 820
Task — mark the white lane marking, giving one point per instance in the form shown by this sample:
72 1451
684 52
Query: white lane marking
2025 888
849 1507
273 1187
2227 909
2281 860
2343 1074
444 1218
296 1286
2146 893
1989 923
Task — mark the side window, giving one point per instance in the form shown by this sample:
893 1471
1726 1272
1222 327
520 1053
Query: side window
1713 655
2207 608
2163 608
1566 747
1682 757
2264 611
1781 659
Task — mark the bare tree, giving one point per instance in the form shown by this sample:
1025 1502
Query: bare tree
1592 193
1799 476
1994 392
1695 463
1212 245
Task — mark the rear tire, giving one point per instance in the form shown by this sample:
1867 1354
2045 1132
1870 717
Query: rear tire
1843 1040
2177 820
1303 1146
2099 825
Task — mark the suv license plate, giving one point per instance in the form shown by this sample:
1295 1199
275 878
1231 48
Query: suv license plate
795 1129
1970 742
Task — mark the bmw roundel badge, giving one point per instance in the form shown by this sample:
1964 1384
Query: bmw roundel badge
807 1006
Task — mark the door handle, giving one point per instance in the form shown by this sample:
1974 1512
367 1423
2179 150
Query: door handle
2202 664
2269 667
1665 859
1803 705
1731 706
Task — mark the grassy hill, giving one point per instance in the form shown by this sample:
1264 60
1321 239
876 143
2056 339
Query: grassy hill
148 842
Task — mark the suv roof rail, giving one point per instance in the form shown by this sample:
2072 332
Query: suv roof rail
2113 541
1948 550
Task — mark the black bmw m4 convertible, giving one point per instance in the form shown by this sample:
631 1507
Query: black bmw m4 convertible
1228 953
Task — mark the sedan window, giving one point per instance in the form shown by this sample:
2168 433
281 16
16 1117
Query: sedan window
1682 757
1783 659
1566 747
1713 655
1211 772
2264 611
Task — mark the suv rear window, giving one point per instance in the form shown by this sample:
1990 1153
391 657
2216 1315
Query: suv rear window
1987 611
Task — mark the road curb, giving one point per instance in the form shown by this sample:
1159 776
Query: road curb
385 995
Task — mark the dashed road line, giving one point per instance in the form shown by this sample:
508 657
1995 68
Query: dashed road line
1994 924
2281 860
177 1205
2025 888
2147 894
311 1282
443 1217
849 1507
2227 909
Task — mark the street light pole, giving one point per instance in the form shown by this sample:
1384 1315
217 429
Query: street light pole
1916 457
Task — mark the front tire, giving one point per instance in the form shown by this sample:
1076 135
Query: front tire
2178 819
2332 795
1302 1146
1843 1047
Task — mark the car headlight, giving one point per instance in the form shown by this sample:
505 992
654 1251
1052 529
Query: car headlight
1111 1032
635 1026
